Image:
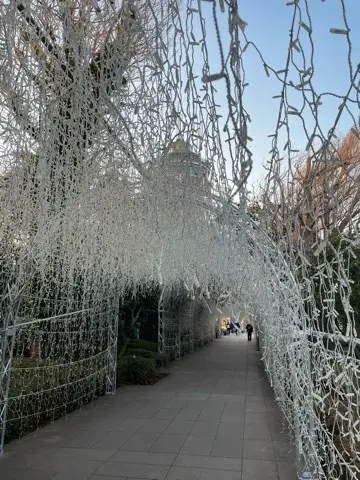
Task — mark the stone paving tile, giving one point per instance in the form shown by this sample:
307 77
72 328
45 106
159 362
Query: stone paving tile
132 424
179 427
193 405
212 463
83 439
176 403
255 404
234 406
215 402
193 398
197 445
209 415
254 390
72 453
227 447
59 437
274 419
54 460
102 477
188 415
256 421
278 431
71 476
145 412
233 429
148 402
155 425
141 441
66 465
209 381
64 436
133 470
14 474
258 450
95 423
213 418
284 452
257 432
191 473
286 471
144 457
113 440
203 428
237 388
234 416
169 443
259 470
229 398
166 413
256 426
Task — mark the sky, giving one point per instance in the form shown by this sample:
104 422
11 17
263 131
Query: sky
269 24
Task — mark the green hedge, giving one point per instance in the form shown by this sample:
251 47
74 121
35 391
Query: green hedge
143 345
137 371
161 360
41 392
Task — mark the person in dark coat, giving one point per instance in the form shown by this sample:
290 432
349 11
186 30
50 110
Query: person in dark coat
228 328
249 329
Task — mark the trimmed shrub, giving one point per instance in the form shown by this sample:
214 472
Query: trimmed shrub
131 332
38 397
161 360
121 339
137 371
143 345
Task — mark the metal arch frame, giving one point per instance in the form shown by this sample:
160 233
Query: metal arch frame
113 325
179 316
161 322
215 208
7 344
305 471
191 336
7 341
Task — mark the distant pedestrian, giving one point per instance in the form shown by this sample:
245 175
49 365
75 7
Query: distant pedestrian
249 329
228 328
217 328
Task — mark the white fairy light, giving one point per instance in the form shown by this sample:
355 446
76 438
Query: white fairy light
115 179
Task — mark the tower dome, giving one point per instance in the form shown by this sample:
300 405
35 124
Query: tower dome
182 163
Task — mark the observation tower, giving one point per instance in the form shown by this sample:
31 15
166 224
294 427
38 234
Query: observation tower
182 167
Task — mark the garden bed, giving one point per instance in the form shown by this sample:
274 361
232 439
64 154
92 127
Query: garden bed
42 391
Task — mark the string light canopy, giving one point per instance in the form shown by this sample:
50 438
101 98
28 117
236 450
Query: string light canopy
125 162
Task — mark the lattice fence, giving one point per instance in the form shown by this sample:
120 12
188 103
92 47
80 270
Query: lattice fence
185 323
57 365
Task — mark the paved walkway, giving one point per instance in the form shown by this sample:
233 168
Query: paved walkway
213 418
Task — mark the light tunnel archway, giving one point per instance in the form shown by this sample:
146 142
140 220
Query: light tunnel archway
99 198
265 288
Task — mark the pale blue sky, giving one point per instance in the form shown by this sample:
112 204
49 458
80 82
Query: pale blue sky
269 23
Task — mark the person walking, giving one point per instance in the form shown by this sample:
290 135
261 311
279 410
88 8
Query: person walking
217 328
233 325
228 328
249 329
